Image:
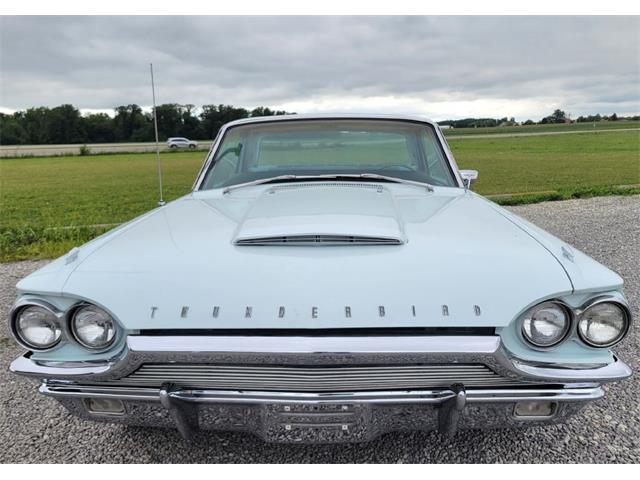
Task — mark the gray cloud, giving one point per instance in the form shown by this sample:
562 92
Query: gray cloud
441 66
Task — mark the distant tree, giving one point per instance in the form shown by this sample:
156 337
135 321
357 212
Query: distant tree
99 128
214 116
613 117
36 123
190 123
261 112
130 123
470 122
529 122
11 130
65 125
265 112
559 115
169 120
145 132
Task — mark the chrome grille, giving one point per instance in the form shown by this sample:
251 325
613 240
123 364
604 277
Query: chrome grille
315 379
292 240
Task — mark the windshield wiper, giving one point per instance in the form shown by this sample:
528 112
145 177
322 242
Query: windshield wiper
261 181
377 176
335 176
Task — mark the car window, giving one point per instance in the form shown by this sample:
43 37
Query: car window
336 148
315 147
437 168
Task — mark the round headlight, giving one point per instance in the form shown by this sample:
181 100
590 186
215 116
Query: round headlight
603 324
92 327
37 327
546 324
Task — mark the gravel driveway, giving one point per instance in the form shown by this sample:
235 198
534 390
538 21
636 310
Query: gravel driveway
36 429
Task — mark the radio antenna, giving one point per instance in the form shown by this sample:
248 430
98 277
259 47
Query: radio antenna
161 202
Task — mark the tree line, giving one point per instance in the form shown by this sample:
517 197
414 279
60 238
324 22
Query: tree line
558 116
65 124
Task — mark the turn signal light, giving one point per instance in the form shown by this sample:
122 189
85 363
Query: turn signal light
105 406
535 409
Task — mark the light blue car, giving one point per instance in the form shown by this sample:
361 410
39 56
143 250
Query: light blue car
328 279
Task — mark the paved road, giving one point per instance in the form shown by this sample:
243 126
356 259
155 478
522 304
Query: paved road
52 150
36 429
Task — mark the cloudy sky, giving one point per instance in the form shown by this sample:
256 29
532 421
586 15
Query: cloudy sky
442 67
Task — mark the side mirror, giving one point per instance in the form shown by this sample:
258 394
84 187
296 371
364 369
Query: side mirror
469 177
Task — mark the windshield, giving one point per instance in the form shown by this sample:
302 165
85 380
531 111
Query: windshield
406 150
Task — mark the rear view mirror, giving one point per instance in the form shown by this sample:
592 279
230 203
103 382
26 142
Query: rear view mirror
469 177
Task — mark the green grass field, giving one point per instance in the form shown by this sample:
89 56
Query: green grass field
551 162
40 195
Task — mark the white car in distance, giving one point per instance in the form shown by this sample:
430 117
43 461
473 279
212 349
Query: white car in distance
181 142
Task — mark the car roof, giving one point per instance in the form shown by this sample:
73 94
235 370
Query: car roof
336 116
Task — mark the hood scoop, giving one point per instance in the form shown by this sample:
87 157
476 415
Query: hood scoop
319 240
328 214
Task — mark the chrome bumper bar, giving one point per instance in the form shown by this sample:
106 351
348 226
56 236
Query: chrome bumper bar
358 416
437 396
327 351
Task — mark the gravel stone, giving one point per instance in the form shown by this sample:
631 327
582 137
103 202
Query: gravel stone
34 428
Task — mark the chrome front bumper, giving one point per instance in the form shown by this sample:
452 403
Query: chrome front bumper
322 418
283 416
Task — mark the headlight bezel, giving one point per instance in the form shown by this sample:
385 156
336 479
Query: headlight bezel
624 308
569 327
71 315
15 331
575 316
64 318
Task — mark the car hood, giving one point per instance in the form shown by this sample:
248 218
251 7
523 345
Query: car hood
460 261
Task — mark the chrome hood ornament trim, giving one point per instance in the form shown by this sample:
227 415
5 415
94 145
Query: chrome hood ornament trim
318 240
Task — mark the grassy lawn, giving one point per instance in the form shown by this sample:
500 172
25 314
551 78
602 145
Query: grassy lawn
37 194
551 162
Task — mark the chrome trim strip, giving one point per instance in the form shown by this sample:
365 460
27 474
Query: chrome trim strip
418 396
119 393
617 370
316 345
25 366
316 240
321 351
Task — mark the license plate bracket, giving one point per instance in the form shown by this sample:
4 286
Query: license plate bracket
313 423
